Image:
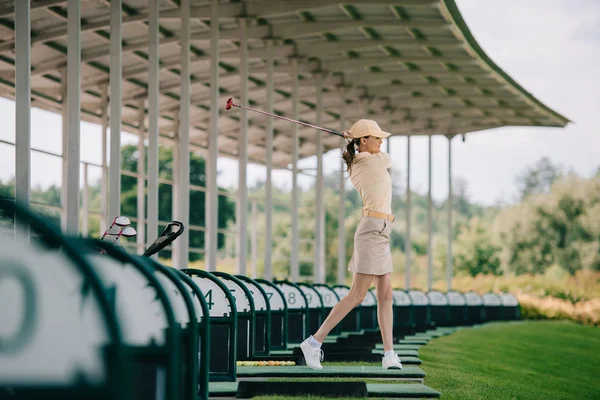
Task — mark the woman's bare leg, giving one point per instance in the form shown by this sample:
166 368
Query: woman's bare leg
356 295
385 314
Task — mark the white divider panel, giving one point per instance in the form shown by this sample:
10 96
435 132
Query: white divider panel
195 300
341 291
490 299
139 311
455 299
175 298
260 303
275 300
242 304
312 296
418 298
293 296
216 300
43 337
473 299
327 295
508 300
437 299
370 299
401 298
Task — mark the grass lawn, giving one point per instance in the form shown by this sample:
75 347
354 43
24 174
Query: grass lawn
524 360
529 360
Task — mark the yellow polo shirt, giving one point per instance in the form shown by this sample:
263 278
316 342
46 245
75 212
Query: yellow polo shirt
370 176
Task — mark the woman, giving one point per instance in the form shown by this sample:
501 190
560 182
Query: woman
372 259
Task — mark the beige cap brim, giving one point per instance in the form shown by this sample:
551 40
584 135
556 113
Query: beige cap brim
382 134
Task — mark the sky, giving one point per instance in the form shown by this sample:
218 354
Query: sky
550 47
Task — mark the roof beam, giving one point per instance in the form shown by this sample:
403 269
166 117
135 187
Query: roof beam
327 48
303 28
175 62
341 64
10 10
267 8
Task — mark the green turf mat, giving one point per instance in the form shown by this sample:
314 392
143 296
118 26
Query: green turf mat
409 360
413 341
222 389
415 347
417 337
281 353
413 390
401 353
408 372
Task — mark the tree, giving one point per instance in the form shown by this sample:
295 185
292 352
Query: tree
539 178
475 251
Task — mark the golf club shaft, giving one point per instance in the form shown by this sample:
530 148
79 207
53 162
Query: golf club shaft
289 119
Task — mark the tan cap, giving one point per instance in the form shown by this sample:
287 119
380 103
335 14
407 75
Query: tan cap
367 127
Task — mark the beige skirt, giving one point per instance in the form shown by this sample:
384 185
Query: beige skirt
372 254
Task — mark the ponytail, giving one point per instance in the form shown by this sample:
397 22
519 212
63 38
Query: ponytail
348 154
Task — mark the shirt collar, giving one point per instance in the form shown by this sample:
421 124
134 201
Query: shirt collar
363 154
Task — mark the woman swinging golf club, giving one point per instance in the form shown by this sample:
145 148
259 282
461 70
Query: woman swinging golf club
372 260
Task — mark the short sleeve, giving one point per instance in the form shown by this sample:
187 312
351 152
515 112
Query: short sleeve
386 159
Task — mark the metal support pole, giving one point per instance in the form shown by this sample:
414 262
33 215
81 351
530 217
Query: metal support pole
22 110
342 267
408 239
294 265
85 203
73 115
254 239
320 190
182 245
429 222
268 272
449 265
211 234
242 200
65 150
104 185
153 86
141 182
114 203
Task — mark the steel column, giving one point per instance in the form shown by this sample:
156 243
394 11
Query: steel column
22 110
73 115
211 234
342 267
116 65
65 150
104 184
181 246
408 239
254 239
268 272
449 265
242 198
85 202
429 221
153 87
294 265
141 181
319 269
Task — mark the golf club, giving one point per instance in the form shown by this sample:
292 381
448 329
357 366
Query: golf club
115 228
230 104
173 230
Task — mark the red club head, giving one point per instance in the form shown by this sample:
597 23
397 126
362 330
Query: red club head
229 104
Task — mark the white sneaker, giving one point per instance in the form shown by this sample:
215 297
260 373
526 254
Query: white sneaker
312 356
392 361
